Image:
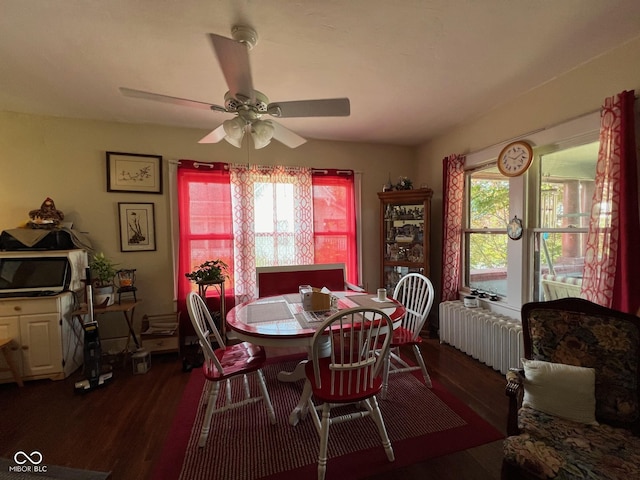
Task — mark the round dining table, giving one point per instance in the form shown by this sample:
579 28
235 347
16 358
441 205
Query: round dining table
280 321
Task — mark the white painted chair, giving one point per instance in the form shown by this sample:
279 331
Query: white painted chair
350 374
415 292
229 364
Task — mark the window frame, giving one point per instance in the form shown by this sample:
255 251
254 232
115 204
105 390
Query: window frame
467 231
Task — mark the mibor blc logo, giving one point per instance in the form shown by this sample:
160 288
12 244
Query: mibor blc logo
27 462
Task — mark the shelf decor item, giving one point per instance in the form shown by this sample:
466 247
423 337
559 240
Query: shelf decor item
210 271
126 279
404 183
134 173
141 361
102 272
47 216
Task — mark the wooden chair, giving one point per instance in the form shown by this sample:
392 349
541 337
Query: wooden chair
351 374
580 417
5 346
284 279
415 292
226 364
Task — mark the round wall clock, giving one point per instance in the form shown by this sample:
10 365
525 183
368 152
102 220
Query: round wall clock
515 158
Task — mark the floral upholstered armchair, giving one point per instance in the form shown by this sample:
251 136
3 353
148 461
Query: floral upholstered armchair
574 409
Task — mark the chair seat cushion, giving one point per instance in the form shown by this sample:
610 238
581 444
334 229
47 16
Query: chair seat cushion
402 336
243 357
349 383
552 447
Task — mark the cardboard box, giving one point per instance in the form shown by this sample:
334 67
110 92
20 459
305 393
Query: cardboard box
316 301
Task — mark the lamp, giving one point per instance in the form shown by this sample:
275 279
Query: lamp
234 130
262 133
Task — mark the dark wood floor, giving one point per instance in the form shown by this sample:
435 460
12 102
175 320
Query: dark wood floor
122 426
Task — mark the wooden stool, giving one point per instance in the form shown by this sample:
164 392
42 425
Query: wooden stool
5 345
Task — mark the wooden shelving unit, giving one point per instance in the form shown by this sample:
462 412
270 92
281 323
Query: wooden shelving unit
405 217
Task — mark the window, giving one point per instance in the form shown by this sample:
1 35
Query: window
263 216
565 188
485 233
274 223
204 209
334 220
553 201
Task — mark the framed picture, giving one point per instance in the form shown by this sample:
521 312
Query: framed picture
134 172
137 227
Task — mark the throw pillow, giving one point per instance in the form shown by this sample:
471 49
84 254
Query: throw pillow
565 391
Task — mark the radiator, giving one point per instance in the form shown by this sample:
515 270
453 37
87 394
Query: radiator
489 337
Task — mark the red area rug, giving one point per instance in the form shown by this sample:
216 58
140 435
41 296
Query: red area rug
422 423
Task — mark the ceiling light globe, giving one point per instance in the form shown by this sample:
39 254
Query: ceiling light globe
234 130
262 132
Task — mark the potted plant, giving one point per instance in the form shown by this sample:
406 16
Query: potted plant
209 272
102 270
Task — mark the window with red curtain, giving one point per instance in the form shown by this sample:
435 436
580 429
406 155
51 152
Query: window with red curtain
334 220
206 224
206 232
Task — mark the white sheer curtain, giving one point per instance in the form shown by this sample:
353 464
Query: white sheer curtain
272 220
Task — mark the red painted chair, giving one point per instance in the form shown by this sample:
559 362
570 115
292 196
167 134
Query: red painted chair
225 364
415 292
284 279
349 375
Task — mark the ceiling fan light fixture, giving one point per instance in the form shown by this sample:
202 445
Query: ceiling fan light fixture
234 130
262 132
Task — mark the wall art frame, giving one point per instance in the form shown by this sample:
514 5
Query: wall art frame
134 173
137 227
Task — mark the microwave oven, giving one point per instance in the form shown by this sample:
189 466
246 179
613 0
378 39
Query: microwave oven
35 273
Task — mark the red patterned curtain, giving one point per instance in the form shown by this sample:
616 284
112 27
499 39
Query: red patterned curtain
612 257
204 208
453 200
334 220
272 221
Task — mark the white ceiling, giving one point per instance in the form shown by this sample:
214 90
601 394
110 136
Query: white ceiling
411 68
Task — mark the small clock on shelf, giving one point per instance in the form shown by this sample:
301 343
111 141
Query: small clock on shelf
515 158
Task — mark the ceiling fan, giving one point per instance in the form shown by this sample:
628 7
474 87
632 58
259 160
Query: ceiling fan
247 104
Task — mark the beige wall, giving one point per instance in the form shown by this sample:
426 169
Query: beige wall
65 159
576 93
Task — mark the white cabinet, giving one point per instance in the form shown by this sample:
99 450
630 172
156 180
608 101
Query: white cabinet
47 341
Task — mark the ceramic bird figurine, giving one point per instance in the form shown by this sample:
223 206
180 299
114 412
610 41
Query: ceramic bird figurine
46 216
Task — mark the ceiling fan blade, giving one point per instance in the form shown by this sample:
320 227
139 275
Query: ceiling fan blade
329 107
286 136
233 57
130 92
215 136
